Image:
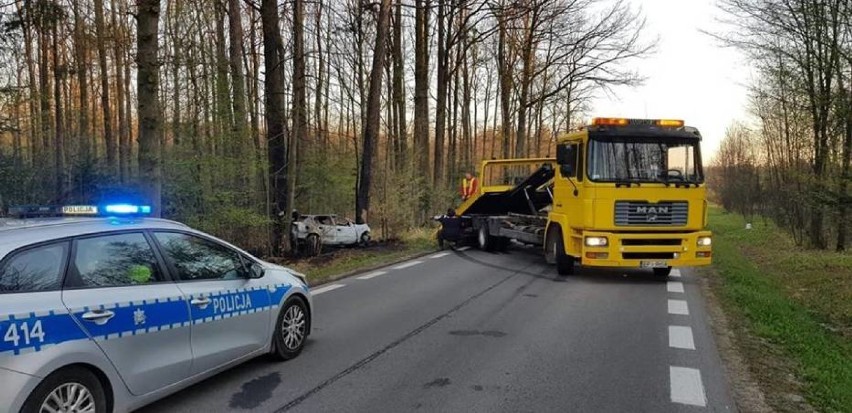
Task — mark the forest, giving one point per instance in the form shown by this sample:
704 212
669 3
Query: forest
230 114
792 162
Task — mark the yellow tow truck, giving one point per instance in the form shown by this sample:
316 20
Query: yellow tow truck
619 193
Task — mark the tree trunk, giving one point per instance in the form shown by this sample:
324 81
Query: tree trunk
299 136
371 127
59 139
83 88
505 69
109 139
275 120
148 87
320 131
843 202
224 118
399 89
421 87
441 94
238 138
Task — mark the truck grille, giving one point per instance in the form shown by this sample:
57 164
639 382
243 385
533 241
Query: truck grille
666 213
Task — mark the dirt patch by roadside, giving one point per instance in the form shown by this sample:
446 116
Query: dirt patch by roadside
761 381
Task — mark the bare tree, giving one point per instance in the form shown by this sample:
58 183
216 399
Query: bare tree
148 88
371 127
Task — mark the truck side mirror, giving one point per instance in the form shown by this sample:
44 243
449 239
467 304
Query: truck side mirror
566 157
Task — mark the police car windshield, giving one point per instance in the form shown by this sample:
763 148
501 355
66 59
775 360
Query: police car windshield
644 160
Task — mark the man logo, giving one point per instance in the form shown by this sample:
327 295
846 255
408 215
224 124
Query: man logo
652 210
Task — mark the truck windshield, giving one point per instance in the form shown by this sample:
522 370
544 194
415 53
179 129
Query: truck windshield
644 160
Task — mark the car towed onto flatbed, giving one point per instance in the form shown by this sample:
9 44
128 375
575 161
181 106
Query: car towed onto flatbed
102 309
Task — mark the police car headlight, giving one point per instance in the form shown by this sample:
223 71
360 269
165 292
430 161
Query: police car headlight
705 241
596 242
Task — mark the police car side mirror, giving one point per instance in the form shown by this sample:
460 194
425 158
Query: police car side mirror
256 271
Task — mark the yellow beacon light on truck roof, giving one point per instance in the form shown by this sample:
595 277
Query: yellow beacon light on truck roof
665 123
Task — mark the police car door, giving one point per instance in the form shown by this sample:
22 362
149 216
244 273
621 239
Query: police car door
118 291
230 311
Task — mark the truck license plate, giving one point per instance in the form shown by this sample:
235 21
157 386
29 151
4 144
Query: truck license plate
653 264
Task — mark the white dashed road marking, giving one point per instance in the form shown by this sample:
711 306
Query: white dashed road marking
678 307
463 249
674 286
675 273
686 386
681 337
406 265
440 254
372 274
327 288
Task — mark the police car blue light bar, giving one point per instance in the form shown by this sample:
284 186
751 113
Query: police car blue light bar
42 211
127 209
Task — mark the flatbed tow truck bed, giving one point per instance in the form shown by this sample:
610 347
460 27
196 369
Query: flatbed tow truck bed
517 213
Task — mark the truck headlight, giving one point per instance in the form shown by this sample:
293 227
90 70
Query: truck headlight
596 242
705 241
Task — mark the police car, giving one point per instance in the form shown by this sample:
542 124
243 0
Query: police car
112 311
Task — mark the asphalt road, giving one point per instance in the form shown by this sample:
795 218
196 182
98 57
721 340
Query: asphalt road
470 331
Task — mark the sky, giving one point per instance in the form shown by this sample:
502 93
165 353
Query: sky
690 76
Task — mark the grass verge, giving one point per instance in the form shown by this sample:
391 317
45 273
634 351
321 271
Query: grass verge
345 261
791 310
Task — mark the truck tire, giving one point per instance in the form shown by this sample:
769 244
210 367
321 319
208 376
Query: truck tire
550 244
662 272
484 240
564 262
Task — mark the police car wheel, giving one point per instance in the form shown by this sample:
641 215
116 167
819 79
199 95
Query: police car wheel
365 239
291 329
73 389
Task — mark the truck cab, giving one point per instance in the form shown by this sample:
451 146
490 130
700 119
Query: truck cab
629 193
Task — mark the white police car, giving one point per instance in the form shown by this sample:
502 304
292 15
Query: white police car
110 313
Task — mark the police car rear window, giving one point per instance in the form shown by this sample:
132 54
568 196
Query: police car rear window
34 269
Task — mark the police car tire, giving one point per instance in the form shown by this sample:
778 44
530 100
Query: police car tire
279 350
365 240
78 375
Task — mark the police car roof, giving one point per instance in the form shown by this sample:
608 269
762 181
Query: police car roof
15 233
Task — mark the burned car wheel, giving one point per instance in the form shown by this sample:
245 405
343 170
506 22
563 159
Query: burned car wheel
364 240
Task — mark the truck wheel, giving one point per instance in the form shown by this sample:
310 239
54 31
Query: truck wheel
550 244
485 241
74 388
662 272
564 262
